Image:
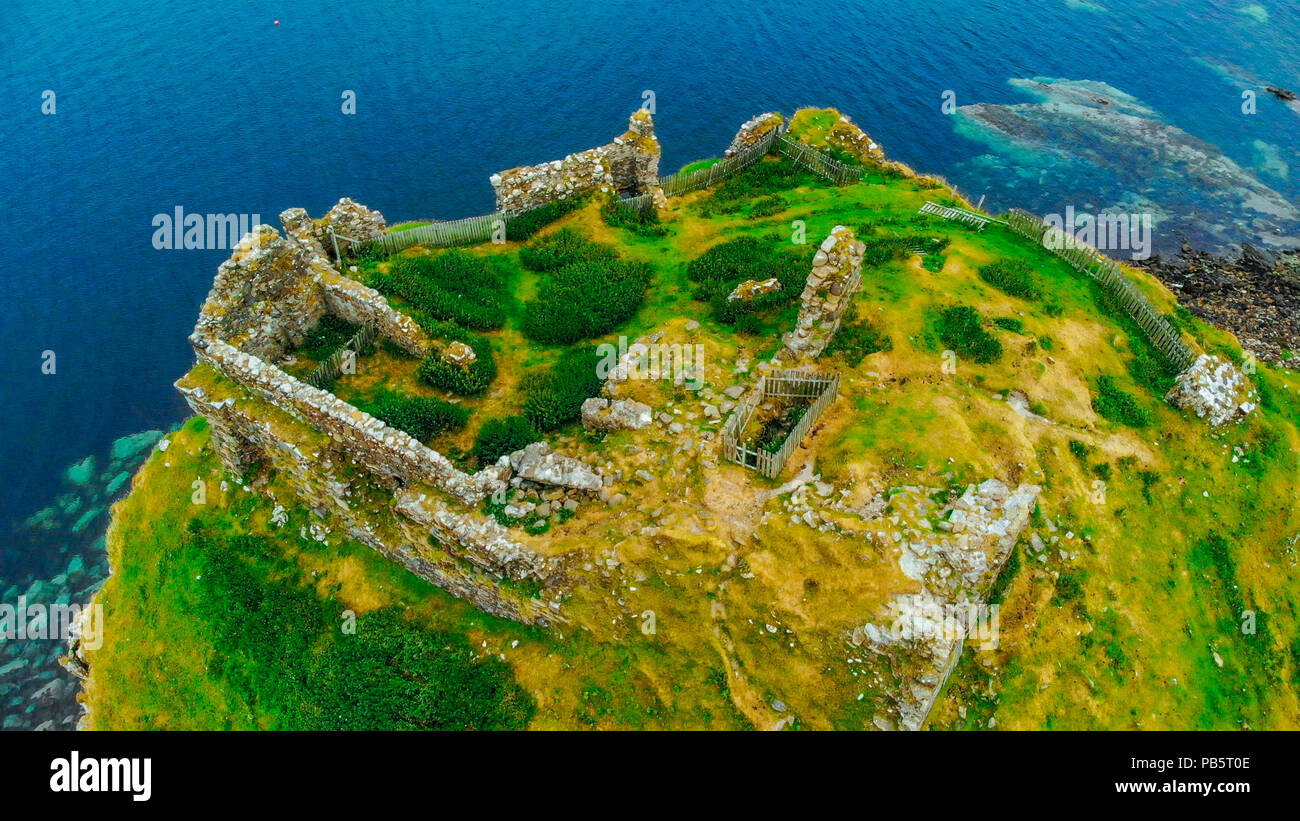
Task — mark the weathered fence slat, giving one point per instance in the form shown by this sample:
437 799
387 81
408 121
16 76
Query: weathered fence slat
332 368
1108 273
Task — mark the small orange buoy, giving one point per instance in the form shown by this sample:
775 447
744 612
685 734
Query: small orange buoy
277 22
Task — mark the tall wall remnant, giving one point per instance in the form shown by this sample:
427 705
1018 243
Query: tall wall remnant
629 165
752 132
835 277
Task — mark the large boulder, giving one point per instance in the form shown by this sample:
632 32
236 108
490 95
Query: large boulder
538 463
620 414
1214 390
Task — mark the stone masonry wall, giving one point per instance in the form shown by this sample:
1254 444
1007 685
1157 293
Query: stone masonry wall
382 449
630 164
836 275
351 301
265 298
474 552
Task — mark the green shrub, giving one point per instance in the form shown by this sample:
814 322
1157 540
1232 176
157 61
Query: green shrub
1012 276
960 329
1079 449
641 221
763 178
452 287
556 399
451 377
499 437
766 207
1118 406
720 269
1008 323
564 247
585 299
880 250
421 416
525 225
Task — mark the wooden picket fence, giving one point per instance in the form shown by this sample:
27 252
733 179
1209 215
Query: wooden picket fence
818 162
332 368
1112 278
467 231
675 185
785 383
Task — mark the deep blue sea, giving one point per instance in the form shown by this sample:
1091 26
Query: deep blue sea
212 107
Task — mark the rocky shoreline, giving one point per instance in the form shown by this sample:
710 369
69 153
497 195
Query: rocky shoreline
1255 295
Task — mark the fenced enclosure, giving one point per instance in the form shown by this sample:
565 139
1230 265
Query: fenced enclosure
1114 281
821 388
332 368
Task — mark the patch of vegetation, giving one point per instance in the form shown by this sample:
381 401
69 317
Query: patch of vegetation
525 225
499 437
564 247
857 339
777 429
421 416
961 330
1110 402
556 399
326 337
451 287
640 221
761 179
1012 276
720 269
585 298
449 376
279 645
1008 323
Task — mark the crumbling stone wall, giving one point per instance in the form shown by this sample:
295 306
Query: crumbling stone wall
472 553
348 224
956 569
629 165
263 302
752 132
350 300
382 449
836 275
265 298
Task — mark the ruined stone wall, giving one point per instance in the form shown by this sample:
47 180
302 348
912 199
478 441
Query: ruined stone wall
351 301
630 164
752 132
472 554
265 298
836 275
380 448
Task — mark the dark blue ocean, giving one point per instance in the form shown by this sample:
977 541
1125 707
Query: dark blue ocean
211 107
